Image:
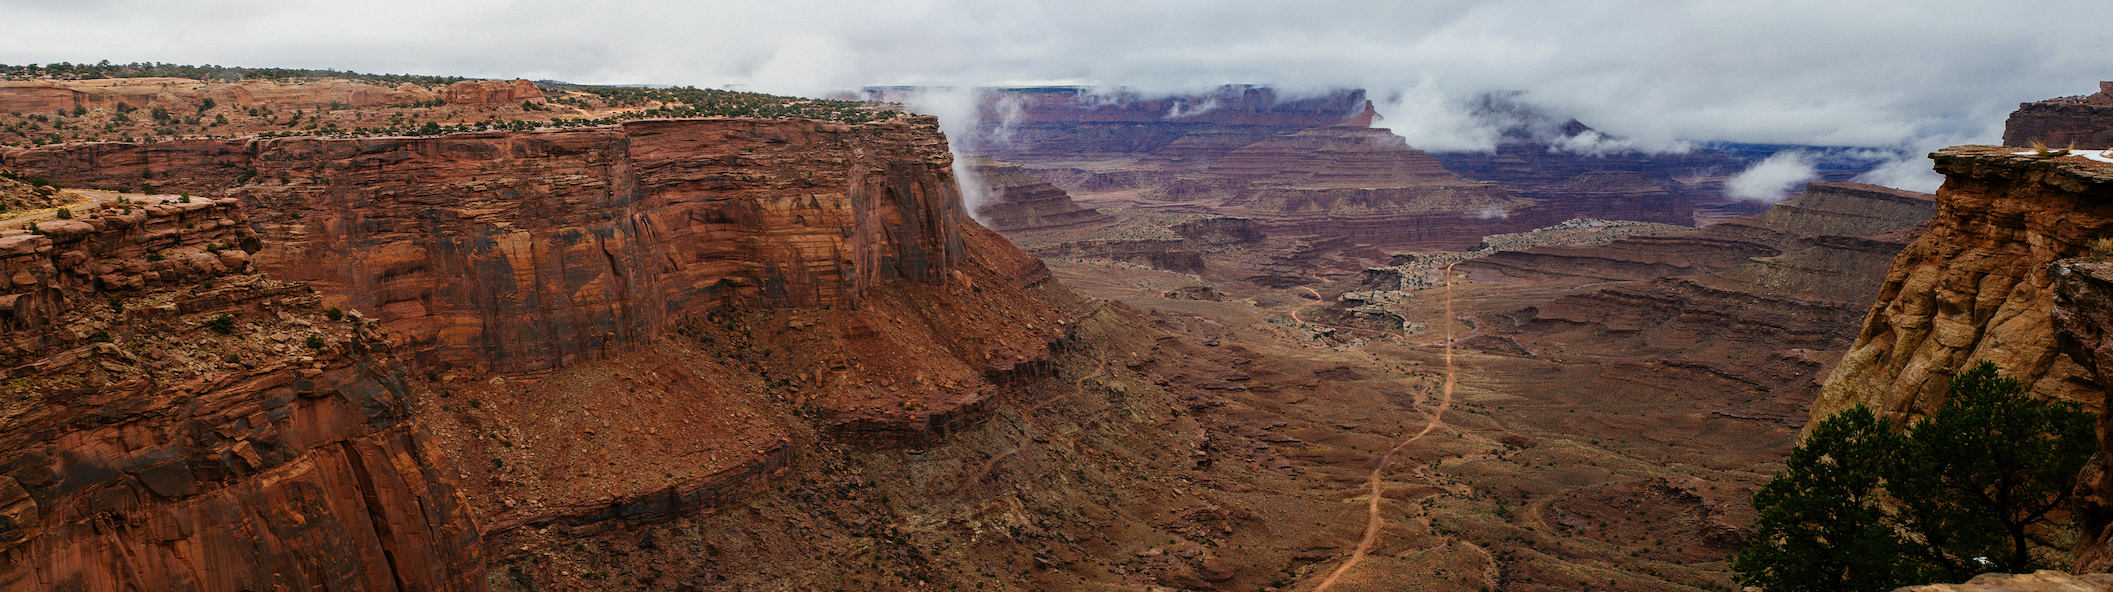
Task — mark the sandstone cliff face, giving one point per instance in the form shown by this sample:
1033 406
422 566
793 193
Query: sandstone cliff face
1977 286
2080 122
46 96
2083 321
526 252
142 450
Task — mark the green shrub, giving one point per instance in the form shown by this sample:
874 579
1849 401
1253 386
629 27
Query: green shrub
65 213
101 336
223 324
315 341
155 256
334 314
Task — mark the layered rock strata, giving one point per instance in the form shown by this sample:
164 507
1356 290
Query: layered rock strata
1977 286
2070 122
173 423
525 252
1762 302
1014 201
1364 183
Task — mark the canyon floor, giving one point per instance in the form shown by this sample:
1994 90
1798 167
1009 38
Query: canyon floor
1544 474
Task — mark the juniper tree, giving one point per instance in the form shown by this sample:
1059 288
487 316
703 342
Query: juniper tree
1822 522
1981 481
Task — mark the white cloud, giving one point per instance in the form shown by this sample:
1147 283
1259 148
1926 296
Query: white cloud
1771 179
1885 73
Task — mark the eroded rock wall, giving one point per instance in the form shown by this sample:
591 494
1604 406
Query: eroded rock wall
1977 286
2083 322
143 446
524 252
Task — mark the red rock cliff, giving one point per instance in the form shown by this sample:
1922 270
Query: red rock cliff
2081 122
142 448
524 252
1977 286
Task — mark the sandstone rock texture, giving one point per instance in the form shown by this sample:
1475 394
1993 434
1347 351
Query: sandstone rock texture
2045 580
2069 122
1977 286
2083 322
142 449
525 252
115 250
46 96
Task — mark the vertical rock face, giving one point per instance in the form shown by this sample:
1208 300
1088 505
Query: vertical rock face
2080 122
141 448
524 252
1978 286
2083 321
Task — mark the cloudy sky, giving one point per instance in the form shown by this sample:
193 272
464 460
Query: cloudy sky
1901 75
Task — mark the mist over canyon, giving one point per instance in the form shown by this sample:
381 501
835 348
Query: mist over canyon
1476 296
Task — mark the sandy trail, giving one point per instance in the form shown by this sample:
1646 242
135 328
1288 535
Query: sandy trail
1374 520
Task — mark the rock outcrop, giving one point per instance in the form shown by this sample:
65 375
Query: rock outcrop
525 252
173 422
486 93
1977 286
2078 122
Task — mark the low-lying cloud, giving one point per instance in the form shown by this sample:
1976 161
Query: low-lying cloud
1771 179
1888 74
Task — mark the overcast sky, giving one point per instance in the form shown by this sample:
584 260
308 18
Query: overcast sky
1903 75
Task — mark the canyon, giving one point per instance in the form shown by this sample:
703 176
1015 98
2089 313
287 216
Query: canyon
1186 347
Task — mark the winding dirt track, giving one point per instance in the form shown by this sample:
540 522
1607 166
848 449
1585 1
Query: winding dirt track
1374 520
